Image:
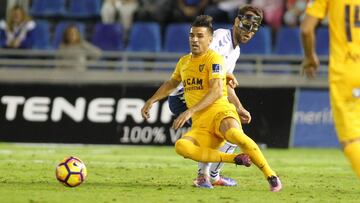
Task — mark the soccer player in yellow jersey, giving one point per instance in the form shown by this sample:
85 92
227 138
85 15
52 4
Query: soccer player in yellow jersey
344 67
214 118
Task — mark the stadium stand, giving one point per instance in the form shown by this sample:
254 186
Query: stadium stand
84 8
161 43
176 38
145 36
288 41
108 37
260 44
42 35
46 8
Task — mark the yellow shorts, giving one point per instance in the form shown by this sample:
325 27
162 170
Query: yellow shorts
205 129
346 109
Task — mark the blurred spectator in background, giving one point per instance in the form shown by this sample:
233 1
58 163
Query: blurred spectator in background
154 10
187 10
224 11
273 11
123 9
17 31
11 3
74 50
294 12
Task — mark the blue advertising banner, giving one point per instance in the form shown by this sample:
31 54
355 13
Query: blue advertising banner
312 122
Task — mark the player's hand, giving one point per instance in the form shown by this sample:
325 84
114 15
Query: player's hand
181 120
244 115
310 65
146 109
231 80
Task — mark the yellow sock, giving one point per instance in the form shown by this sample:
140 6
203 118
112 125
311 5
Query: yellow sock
352 152
248 146
188 149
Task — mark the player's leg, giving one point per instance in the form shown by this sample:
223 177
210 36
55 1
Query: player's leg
352 151
230 128
215 168
203 177
177 105
189 147
345 105
203 168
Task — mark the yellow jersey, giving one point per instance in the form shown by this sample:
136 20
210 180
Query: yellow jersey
344 29
195 74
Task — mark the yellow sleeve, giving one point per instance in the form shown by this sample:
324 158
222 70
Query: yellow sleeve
216 67
176 74
317 8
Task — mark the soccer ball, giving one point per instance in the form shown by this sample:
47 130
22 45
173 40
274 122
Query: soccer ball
71 171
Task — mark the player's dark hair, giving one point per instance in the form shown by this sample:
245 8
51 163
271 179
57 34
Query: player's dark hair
243 9
203 21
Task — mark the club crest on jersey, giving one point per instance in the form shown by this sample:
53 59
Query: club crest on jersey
201 67
216 68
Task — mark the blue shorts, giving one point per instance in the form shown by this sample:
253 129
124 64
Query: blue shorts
177 105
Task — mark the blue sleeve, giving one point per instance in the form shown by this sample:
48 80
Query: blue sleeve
177 104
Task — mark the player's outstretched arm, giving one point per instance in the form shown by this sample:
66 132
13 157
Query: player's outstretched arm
244 115
164 90
311 61
214 93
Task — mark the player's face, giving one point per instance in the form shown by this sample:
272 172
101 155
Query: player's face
17 16
200 39
246 27
73 35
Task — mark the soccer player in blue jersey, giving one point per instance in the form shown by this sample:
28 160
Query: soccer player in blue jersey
226 42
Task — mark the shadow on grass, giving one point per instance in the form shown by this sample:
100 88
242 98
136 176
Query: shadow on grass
90 184
136 184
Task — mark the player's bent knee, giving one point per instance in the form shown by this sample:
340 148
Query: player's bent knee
237 136
183 147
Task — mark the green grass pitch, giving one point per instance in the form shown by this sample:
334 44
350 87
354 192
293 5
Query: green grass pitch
158 174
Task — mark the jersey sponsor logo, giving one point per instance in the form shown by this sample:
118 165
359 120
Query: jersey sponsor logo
216 68
192 81
193 88
192 84
201 67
